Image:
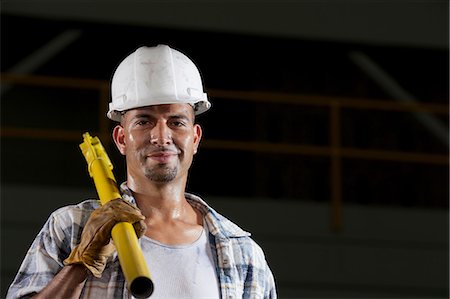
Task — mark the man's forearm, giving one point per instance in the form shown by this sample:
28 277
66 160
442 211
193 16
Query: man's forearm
68 283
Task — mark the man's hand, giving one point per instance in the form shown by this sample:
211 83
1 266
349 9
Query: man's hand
95 246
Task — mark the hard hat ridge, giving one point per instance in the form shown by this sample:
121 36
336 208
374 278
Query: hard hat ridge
154 76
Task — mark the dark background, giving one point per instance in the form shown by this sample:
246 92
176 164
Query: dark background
289 48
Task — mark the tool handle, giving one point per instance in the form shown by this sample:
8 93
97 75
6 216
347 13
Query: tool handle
130 254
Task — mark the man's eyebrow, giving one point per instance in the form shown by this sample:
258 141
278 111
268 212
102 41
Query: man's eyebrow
142 115
181 116
147 115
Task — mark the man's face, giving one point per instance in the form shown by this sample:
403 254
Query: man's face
158 141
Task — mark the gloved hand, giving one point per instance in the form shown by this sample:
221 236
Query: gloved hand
95 246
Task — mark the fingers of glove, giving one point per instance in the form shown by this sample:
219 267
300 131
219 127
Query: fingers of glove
94 260
95 245
102 220
97 231
123 211
98 256
126 212
140 227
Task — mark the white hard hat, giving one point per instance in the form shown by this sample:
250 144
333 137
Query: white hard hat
153 76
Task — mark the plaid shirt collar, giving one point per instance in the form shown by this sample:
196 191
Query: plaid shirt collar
218 225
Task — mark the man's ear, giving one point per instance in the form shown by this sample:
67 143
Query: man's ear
197 136
119 138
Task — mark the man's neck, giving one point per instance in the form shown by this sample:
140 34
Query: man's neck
165 199
158 195
170 219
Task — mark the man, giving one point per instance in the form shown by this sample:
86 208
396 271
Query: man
191 250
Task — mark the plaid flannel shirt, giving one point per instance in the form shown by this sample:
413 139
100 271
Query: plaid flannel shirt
240 263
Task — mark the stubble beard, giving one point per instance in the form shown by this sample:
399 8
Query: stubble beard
161 173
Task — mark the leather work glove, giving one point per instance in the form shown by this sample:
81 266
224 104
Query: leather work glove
95 246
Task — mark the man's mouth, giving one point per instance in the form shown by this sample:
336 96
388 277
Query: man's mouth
162 157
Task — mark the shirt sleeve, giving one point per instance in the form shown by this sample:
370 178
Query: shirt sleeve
270 289
266 279
258 280
45 257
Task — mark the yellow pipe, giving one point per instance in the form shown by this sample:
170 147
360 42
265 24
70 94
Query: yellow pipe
130 254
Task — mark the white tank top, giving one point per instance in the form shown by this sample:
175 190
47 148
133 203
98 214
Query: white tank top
181 271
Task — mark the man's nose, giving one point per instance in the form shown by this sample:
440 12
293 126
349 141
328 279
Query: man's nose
161 135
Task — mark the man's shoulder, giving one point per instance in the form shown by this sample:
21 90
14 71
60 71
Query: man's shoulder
84 206
218 225
245 249
76 213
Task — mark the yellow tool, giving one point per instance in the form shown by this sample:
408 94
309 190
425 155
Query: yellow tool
130 254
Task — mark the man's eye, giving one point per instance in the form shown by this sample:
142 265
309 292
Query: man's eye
178 123
142 122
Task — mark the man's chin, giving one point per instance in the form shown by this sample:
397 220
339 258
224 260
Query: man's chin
159 176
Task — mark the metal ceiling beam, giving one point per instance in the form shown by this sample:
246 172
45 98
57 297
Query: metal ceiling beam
396 91
42 55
